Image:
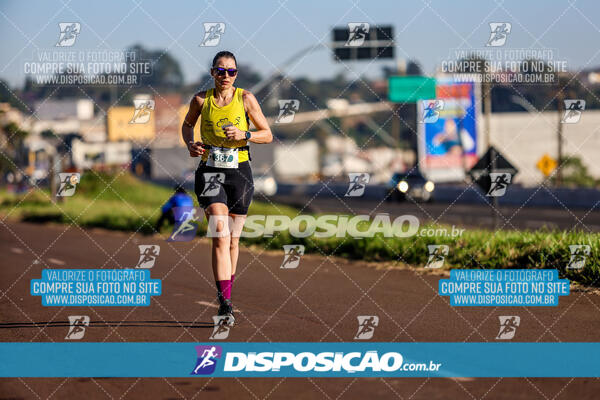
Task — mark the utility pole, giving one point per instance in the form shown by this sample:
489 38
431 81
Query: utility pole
396 128
52 177
397 108
487 120
487 111
560 99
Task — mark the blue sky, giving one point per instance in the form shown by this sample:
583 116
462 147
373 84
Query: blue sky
266 33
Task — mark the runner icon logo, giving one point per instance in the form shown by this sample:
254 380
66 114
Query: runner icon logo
292 254
212 183
186 224
68 33
77 324
68 184
579 253
573 111
366 326
212 33
357 33
148 255
431 111
358 183
142 111
499 182
287 111
221 328
499 33
508 327
437 255
207 359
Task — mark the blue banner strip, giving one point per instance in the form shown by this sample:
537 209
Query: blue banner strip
298 359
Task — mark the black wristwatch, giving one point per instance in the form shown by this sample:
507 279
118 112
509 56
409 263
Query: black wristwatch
248 135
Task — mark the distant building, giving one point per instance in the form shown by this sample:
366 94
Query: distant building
68 116
589 77
80 109
523 138
10 114
90 155
167 120
93 130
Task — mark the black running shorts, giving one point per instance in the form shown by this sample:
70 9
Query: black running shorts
231 186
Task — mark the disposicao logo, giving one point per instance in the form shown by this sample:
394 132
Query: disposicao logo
306 363
207 359
351 362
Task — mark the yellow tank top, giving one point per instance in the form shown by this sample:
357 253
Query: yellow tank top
214 117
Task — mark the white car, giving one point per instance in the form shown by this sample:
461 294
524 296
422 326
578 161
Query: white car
265 184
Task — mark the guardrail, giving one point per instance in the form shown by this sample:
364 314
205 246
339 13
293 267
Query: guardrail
515 196
562 198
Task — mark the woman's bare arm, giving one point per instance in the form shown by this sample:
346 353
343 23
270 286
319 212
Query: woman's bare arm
263 132
187 128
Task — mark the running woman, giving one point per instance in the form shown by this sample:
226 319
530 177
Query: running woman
224 184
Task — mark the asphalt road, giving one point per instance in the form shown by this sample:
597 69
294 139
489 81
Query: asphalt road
318 301
466 215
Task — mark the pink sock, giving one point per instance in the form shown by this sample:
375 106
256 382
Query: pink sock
232 279
225 288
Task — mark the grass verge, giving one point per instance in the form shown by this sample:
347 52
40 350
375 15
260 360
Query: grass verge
125 203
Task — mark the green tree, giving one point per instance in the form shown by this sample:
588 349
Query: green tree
166 71
12 151
575 173
11 96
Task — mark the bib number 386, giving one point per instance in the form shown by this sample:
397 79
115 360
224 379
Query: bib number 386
220 157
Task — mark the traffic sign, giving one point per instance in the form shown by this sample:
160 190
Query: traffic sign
409 89
546 164
361 41
492 165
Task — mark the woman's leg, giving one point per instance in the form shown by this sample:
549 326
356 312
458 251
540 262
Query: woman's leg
241 196
236 230
217 213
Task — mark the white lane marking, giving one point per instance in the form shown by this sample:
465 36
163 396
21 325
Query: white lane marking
56 261
207 304
213 305
16 250
463 379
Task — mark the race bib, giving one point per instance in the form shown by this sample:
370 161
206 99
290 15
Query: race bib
222 157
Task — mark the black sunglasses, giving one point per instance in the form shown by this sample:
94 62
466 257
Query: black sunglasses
222 71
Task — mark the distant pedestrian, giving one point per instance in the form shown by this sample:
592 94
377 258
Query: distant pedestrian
179 199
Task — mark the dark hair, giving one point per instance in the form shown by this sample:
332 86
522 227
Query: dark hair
226 54
179 189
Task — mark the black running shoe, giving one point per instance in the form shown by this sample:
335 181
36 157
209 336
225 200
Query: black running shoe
226 309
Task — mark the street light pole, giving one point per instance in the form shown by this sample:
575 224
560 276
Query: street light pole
278 71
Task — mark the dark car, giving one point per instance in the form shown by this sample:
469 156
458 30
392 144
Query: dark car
410 184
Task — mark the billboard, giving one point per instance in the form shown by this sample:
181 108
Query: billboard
121 124
447 129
